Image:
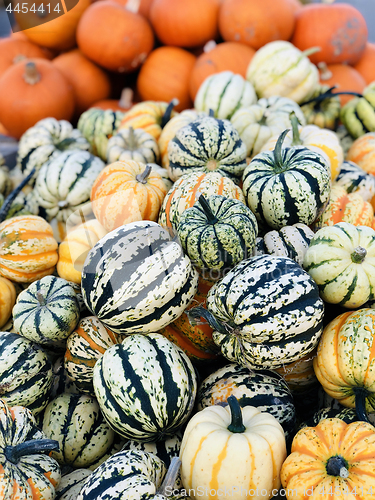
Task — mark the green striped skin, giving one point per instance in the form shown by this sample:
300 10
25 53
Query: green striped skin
47 311
324 113
25 373
97 126
133 144
355 180
224 93
221 238
23 204
290 241
329 261
76 422
207 145
71 484
117 445
146 387
63 184
267 312
48 137
358 115
33 476
6 183
348 415
266 390
346 140
294 190
142 289
61 382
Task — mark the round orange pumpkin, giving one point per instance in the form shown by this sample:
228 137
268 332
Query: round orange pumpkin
28 250
165 75
114 37
366 65
13 50
346 78
127 191
256 22
8 296
226 56
30 91
56 33
362 152
189 23
338 29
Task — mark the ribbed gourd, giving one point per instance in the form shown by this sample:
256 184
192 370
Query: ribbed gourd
132 144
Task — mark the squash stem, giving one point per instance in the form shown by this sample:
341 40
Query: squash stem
9 200
337 466
211 113
236 424
328 95
360 403
170 477
311 51
41 299
31 75
207 209
278 149
14 453
167 115
144 175
198 312
126 98
296 137
358 255
132 141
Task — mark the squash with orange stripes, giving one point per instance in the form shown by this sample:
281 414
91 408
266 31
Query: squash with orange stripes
344 207
28 250
84 347
127 191
340 259
362 152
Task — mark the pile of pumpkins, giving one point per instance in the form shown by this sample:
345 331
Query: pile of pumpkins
187 295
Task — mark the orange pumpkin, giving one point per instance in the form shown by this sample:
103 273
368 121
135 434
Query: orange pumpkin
366 65
13 50
56 33
165 75
190 23
120 40
226 56
90 83
127 191
28 250
123 104
256 22
338 29
30 91
346 78
196 340
7 300
362 152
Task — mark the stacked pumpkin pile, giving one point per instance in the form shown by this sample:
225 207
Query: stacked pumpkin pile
194 283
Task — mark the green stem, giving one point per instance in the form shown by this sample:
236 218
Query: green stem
132 143
144 175
311 51
296 137
211 113
278 148
236 424
9 200
328 94
40 298
337 466
170 477
358 255
360 403
207 209
167 115
14 453
198 312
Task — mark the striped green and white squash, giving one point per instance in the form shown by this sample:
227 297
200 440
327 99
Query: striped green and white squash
261 121
207 145
137 279
63 185
130 475
62 384
290 241
84 347
266 390
6 183
97 126
340 259
165 450
266 312
287 185
76 422
47 138
358 114
27 472
146 387
117 445
224 93
71 484
355 180
25 373
217 232
47 311
132 144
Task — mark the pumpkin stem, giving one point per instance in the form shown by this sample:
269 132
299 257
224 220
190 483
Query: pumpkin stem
337 466
360 403
236 424
210 45
196 313
278 148
132 143
311 51
167 115
296 137
358 255
325 74
31 75
126 99
143 176
329 94
207 209
14 453
41 299
170 477
9 199
133 5
211 113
